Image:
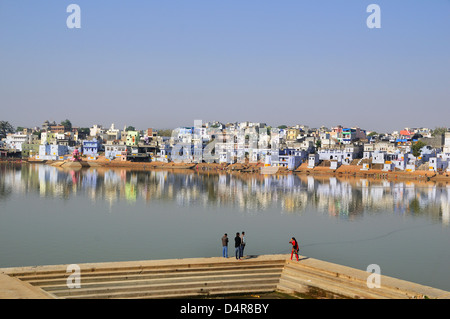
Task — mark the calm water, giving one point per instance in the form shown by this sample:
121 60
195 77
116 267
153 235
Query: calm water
53 216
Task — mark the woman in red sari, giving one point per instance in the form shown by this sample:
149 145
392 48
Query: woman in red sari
295 248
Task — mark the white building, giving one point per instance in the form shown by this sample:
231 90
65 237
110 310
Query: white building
15 141
447 143
113 151
330 154
313 160
96 130
439 163
113 133
52 152
378 157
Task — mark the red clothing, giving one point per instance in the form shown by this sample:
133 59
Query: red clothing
294 248
294 244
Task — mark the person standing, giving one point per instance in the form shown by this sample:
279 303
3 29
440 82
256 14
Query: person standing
295 248
241 252
237 246
225 246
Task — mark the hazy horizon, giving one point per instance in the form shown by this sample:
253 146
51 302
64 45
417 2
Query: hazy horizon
165 64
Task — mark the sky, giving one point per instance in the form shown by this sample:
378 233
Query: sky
166 63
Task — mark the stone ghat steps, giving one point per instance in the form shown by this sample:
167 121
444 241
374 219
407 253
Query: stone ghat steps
174 289
303 279
207 277
107 277
156 269
162 281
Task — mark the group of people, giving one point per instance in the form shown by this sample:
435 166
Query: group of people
239 245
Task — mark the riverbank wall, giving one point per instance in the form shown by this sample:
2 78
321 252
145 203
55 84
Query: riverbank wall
255 168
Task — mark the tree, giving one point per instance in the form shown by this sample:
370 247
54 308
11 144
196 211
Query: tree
84 130
5 128
417 147
38 134
282 127
318 144
67 125
438 131
130 128
165 133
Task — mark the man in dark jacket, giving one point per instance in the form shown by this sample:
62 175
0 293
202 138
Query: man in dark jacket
225 246
237 246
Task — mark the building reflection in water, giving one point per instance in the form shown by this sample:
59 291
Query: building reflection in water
346 199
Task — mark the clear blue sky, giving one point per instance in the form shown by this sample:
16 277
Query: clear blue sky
166 63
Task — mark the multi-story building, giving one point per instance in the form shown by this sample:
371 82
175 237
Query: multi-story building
58 129
15 140
114 150
292 134
133 138
30 149
52 152
350 135
96 130
446 148
91 147
112 134
48 138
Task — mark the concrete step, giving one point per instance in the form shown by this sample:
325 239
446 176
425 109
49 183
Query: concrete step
160 266
303 284
149 270
347 287
200 287
85 279
168 280
360 287
345 279
211 293
180 293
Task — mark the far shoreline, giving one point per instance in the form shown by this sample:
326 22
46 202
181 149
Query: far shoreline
343 171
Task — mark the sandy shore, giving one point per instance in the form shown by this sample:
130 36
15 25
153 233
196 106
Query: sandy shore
355 170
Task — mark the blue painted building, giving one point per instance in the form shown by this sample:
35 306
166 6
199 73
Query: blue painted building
91 147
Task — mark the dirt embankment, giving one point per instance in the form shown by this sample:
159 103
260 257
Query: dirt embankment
321 170
356 171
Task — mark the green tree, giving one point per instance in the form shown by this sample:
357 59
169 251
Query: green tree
5 128
282 127
130 128
318 144
166 132
438 131
84 130
38 134
67 125
417 147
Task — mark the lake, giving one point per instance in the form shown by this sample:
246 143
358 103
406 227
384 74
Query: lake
50 215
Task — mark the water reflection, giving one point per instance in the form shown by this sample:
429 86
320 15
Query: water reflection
346 199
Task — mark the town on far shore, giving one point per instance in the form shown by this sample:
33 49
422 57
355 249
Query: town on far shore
288 147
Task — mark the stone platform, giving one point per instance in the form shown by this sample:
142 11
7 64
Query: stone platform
205 278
